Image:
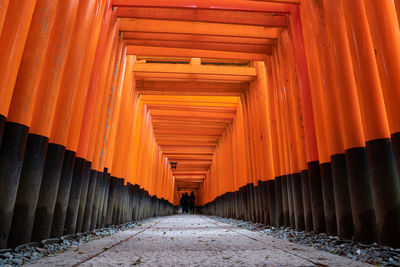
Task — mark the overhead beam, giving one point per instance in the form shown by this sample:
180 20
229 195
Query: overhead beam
194 69
271 6
185 142
188 92
180 172
192 76
191 114
186 52
185 105
196 86
161 36
196 28
183 79
188 149
205 15
189 176
162 122
245 48
197 99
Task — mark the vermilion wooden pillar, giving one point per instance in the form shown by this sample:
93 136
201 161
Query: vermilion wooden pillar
21 113
86 105
45 107
65 110
12 42
385 33
320 122
337 168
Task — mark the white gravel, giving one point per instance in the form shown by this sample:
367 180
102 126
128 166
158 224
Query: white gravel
192 240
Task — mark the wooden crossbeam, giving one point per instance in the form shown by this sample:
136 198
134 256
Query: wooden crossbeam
186 52
191 86
196 99
241 48
194 28
188 149
271 6
205 15
187 93
203 108
194 69
192 114
162 36
180 172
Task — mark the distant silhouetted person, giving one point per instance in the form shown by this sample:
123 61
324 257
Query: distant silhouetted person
185 203
192 200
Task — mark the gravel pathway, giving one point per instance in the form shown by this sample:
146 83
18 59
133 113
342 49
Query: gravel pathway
192 240
374 254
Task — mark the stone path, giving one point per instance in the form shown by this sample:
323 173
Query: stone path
193 240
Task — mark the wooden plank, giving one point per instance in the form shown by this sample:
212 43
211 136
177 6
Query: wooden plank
170 79
186 27
185 52
177 172
190 149
194 69
229 100
195 162
185 141
203 108
197 86
160 36
245 48
188 176
191 114
272 6
205 15
189 93
151 76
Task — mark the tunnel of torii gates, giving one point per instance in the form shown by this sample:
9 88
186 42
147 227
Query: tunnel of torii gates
283 112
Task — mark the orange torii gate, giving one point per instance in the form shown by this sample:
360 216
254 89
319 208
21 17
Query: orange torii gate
283 112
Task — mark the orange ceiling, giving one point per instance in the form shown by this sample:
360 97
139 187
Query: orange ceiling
192 101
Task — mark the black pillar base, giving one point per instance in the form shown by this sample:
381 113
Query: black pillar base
64 187
317 204
83 197
96 201
290 200
251 201
74 196
341 193
329 199
386 190
264 201
279 201
28 190
245 209
305 190
285 202
272 202
111 200
361 197
48 192
11 158
105 202
87 214
298 201
2 124
396 149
